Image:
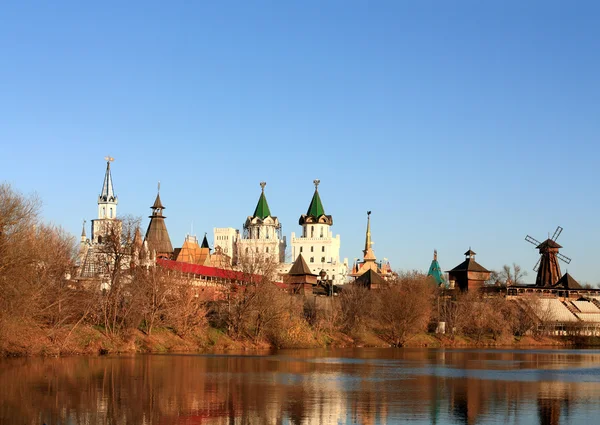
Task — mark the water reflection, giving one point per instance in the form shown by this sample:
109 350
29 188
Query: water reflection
363 386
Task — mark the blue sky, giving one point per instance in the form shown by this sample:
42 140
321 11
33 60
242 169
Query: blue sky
459 124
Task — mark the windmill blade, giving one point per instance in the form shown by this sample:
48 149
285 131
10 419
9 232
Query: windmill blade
563 257
537 265
533 241
557 233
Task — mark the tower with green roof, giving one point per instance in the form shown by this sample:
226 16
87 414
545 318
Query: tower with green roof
316 243
435 271
262 236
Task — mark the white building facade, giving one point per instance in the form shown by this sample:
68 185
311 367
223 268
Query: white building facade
316 243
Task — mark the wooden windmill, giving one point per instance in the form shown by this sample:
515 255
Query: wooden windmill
547 267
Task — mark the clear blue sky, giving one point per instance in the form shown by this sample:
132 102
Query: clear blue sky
459 124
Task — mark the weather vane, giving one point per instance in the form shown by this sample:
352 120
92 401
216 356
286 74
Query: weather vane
262 185
109 158
316 182
159 185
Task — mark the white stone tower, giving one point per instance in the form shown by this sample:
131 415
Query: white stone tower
107 206
262 233
317 243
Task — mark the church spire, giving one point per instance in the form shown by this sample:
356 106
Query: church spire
108 192
107 200
368 251
262 208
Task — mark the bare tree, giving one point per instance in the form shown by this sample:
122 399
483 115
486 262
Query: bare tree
186 311
117 299
405 307
512 275
356 307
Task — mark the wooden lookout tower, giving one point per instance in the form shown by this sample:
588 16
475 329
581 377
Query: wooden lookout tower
547 267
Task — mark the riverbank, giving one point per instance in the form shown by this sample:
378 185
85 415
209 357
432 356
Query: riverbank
22 340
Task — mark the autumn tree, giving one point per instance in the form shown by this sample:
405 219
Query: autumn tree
404 307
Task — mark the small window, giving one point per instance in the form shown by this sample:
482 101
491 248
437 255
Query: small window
300 249
322 249
246 250
99 239
312 231
110 212
267 249
312 259
257 250
322 259
312 249
321 232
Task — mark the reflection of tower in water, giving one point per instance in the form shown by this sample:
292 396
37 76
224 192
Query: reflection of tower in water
552 397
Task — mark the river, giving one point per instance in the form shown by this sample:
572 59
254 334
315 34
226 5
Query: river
361 385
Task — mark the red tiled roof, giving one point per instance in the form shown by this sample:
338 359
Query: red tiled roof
208 271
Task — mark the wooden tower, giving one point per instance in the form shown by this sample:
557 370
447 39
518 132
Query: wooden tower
547 267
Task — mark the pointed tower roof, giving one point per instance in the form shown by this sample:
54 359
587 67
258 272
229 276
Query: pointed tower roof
157 236
316 208
108 193
368 251
568 282
370 279
205 243
300 268
435 271
157 203
470 264
262 207
83 235
316 211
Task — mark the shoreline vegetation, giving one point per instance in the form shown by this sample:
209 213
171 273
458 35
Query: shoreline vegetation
90 341
45 310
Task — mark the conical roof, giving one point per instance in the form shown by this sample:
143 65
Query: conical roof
262 207
157 203
157 236
300 268
108 192
369 255
205 242
435 270
315 209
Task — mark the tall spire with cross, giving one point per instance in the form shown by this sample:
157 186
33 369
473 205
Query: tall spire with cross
107 200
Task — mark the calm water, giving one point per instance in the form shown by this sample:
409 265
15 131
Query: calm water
363 386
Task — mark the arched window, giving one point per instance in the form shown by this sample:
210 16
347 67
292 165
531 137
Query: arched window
257 250
322 259
300 249
103 212
312 259
321 231
312 249
267 249
312 231
322 249
99 239
110 213
246 250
